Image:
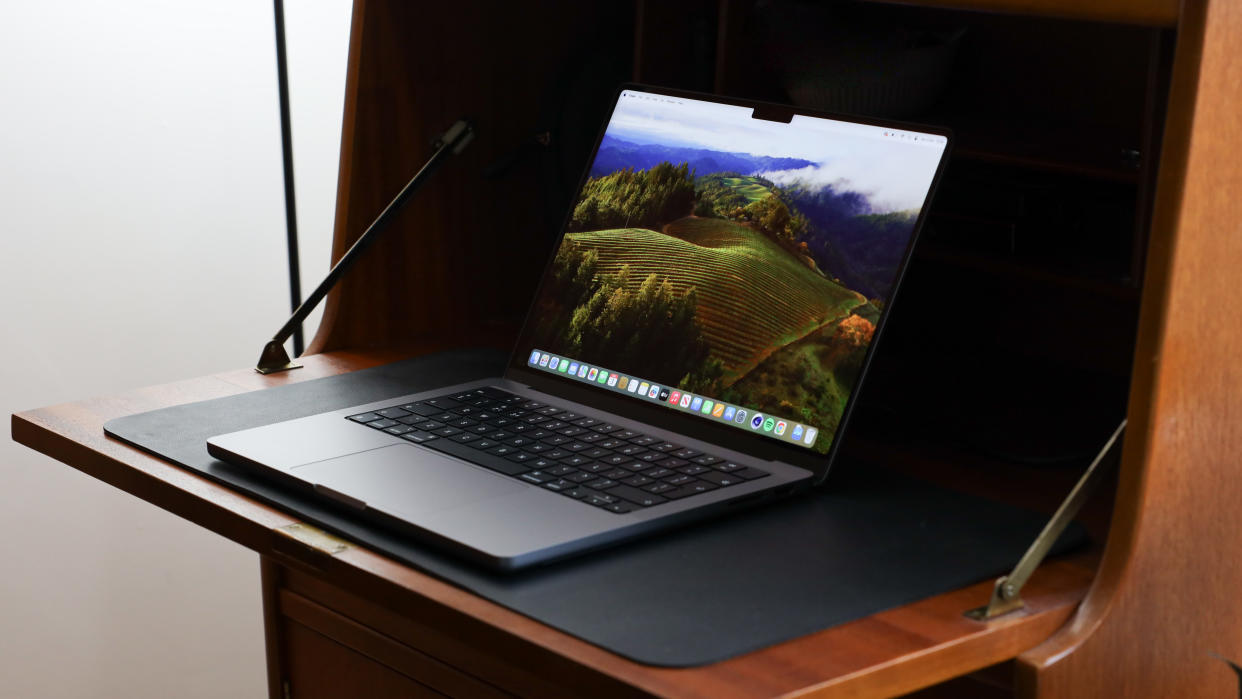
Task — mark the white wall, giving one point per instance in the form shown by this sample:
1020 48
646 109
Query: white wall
142 241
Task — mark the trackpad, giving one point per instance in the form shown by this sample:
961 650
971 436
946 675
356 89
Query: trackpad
405 480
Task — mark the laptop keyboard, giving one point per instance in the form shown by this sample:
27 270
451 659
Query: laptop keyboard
580 457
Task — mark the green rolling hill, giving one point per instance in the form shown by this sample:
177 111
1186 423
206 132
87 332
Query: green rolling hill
754 297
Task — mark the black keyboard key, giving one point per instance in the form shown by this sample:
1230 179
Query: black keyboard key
482 429
644 441
750 474
532 405
392 413
637 480
659 487
382 423
484 444
601 484
619 508
419 437
575 493
545 464
597 467
587 422
580 477
560 484
443 417
707 460
553 425
442 403
636 496
721 479
652 457
615 474
687 453
559 469
572 431
605 428
610 443
679 479
596 452
632 450
575 460
423 409
536 419
502 450
427 425
447 431
590 437
568 416
556 439
665 446
364 417
411 419
399 429
557 453
575 446
549 410
674 462
463 437
679 493
519 441
728 467
537 477
463 423
484 459
693 469
658 472
520 457
626 434
538 447
536 433
599 499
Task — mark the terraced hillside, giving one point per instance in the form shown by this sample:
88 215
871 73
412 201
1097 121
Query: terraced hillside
749 187
754 297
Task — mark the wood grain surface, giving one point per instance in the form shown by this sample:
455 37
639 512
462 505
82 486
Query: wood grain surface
1164 612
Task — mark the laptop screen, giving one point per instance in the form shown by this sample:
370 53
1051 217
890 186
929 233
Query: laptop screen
730 267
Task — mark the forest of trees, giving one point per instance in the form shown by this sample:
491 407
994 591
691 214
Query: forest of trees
603 317
635 198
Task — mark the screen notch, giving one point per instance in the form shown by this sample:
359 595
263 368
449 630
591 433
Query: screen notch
772 112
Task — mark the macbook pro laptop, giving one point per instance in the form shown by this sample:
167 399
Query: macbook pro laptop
695 345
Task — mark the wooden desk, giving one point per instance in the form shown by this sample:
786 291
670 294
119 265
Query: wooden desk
1158 605
340 622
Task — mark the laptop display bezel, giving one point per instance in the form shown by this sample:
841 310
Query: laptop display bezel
690 424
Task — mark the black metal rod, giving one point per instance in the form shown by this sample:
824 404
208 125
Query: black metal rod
452 142
286 147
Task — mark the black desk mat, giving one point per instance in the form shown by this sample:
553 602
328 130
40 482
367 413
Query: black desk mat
868 542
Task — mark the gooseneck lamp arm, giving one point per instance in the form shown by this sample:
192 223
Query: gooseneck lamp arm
274 357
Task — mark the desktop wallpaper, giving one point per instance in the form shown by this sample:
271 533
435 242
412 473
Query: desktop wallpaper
743 260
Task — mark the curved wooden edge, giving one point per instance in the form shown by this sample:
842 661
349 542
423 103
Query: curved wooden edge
1163 610
896 651
340 237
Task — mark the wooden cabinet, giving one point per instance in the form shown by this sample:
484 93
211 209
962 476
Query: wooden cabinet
1078 267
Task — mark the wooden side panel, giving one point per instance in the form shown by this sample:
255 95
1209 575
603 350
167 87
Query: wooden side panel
469 247
1163 613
